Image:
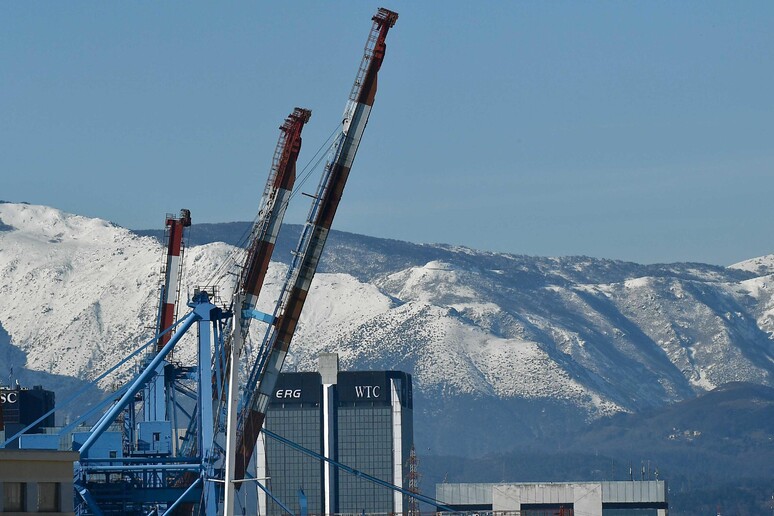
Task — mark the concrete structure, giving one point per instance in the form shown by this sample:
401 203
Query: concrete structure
362 419
624 498
36 481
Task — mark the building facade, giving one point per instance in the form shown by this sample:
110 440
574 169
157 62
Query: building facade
360 419
622 498
36 481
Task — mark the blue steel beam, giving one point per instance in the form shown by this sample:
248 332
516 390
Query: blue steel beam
180 500
114 397
251 313
102 404
209 316
138 383
87 497
276 500
135 460
89 385
144 467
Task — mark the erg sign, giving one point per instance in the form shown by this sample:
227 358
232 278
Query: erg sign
284 394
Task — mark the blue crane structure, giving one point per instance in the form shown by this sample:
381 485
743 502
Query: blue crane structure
151 474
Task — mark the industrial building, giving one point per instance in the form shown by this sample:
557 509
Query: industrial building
36 481
360 419
622 498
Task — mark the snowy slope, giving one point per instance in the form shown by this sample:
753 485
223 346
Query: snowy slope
761 266
637 335
77 292
597 335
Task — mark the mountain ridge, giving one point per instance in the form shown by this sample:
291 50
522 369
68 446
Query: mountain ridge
582 336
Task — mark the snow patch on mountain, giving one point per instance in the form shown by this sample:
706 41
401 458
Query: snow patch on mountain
66 280
763 265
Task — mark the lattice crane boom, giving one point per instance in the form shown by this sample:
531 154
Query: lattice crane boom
264 374
273 205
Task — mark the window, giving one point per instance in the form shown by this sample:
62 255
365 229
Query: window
13 496
48 497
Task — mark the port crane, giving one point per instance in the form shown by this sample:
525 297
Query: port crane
190 477
265 370
151 470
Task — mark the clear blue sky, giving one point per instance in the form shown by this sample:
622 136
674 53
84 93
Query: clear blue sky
631 130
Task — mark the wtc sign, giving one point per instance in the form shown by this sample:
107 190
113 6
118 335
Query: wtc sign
368 391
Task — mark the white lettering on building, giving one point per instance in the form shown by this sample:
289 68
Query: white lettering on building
9 397
367 391
288 393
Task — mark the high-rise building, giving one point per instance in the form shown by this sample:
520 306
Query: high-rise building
20 407
362 419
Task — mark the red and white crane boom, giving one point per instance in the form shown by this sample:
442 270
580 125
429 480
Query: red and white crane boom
273 205
263 376
175 228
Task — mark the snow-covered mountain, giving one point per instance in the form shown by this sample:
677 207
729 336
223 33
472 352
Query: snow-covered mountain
535 343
